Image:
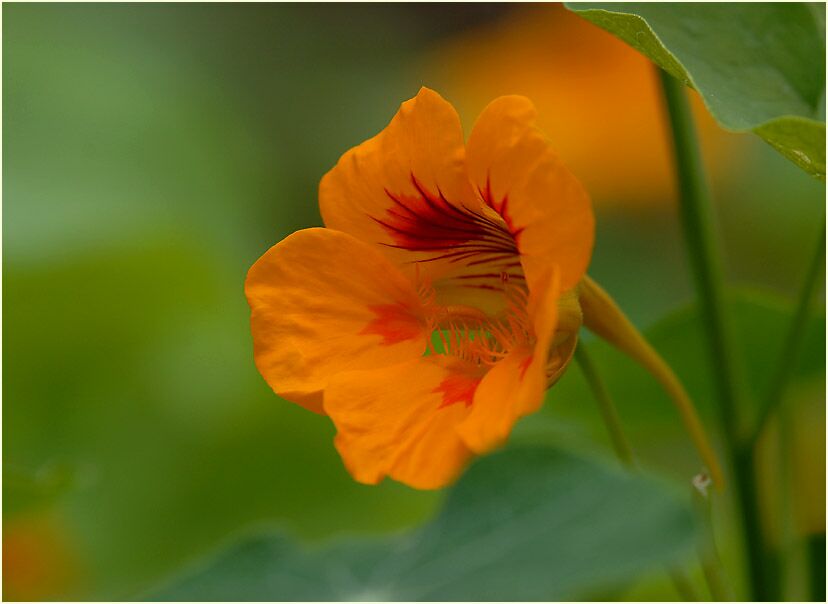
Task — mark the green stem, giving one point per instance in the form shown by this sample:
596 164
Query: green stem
816 557
793 340
711 563
684 587
609 413
704 256
606 405
786 550
711 567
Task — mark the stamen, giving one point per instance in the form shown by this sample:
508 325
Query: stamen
470 335
446 346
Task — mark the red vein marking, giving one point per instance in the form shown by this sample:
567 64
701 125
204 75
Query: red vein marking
458 388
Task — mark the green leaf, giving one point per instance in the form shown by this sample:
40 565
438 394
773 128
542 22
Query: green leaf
525 524
758 67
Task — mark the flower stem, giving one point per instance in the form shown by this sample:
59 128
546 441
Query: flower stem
696 219
603 317
609 412
711 563
605 403
793 340
697 222
684 587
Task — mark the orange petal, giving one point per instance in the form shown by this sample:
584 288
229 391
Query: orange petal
565 339
516 385
400 421
395 187
514 168
543 305
323 302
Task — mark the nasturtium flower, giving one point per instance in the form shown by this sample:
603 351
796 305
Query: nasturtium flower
440 301
444 296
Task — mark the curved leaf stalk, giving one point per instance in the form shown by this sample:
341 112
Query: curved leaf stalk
786 549
772 405
683 585
604 318
711 563
793 340
609 412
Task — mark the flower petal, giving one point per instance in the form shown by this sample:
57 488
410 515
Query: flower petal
400 421
407 190
565 339
516 385
323 302
405 187
515 170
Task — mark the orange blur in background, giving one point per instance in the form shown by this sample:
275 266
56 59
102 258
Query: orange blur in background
38 563
598 99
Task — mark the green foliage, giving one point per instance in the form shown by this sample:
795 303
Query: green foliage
523 524
571 418
153 164
157 150
758 67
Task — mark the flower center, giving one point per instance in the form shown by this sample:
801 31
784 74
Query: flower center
481 340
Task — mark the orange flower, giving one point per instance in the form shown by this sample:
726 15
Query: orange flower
440 303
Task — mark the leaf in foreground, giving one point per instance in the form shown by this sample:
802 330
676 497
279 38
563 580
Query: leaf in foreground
758 67
522 524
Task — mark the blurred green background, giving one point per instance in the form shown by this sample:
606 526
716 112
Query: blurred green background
151 153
